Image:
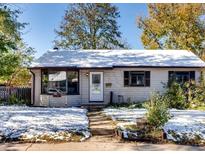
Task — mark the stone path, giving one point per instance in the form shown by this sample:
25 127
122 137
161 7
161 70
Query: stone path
102 128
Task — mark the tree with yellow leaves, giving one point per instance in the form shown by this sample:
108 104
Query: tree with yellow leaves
174 26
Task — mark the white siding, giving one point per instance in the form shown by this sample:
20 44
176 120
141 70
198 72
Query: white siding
37 87
158 76
84 86
116 78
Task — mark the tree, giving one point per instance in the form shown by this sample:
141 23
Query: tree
14 53
21 77
174 26
90 26
9 28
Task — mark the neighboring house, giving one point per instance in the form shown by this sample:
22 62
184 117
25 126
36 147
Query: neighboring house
83 77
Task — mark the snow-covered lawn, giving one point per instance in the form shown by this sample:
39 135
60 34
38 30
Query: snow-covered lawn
184 123
34 123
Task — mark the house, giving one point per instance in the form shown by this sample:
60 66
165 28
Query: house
79 77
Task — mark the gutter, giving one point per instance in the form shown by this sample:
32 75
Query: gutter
111 67
33 82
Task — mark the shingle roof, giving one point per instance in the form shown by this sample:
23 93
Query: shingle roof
115 58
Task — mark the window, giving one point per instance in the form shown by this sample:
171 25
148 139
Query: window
181 76
95 78
64 82
137 78
44 81
73 83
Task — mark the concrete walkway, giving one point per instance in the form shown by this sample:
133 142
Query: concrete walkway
96 146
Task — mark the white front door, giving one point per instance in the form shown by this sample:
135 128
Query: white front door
96 86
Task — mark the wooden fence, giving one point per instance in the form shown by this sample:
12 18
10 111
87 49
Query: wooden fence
15 95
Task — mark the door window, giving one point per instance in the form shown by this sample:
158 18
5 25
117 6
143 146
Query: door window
95 78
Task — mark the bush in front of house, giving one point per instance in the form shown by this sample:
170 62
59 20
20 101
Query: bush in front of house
13 100
176 96
157 111
148 128
195 95
187 95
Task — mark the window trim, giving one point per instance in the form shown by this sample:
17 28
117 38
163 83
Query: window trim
66 70
129 78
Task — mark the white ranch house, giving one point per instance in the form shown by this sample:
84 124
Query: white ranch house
86 77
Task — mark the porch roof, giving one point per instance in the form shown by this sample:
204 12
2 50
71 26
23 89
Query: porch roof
117 58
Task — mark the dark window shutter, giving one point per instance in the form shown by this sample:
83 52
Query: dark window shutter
192 75
126 78
147 78
171 76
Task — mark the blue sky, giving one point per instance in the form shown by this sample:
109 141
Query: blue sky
44 18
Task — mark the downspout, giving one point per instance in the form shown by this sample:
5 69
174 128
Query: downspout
33 82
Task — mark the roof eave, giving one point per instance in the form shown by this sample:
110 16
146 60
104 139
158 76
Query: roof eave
139 66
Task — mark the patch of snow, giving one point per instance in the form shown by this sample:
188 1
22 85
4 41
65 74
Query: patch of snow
125 114
30 122
184 123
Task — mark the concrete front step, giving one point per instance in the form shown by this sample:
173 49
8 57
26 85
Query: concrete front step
97 123
102 119
102 131
103 138
104 127
93 106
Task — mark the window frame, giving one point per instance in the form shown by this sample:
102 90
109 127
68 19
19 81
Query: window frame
172 75
181 76
66 70
137 72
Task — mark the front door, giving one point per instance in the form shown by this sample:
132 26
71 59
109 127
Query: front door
96 86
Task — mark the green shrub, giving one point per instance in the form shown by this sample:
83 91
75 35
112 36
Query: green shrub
157 111
187 95
14 100
176 96
1 102
195 95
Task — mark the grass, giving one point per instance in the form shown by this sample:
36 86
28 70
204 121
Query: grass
201 108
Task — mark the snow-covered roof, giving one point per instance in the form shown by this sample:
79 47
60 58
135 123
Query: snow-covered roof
116 58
